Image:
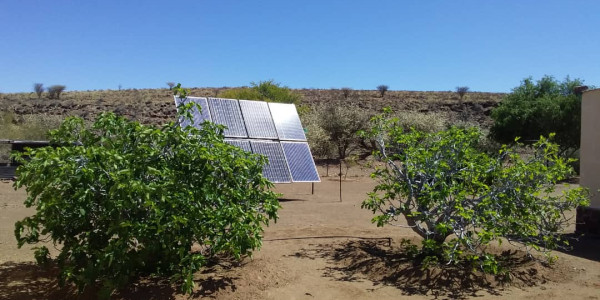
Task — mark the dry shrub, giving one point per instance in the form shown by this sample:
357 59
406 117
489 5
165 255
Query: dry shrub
25 127
426 122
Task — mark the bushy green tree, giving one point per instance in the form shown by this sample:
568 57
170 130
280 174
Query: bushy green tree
122 199
264 90
460 199
539 108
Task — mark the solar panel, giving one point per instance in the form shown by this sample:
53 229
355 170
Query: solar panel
300 161
287 121
244 144
258 120
270 129
197 117
227 112
276 170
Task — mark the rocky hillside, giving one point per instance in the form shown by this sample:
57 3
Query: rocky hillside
156 106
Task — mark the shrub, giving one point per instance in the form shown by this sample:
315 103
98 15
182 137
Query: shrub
346 91
124 200
25 127
38 88
318 139
55 91
241 93
462 91
341 122
382 89
460 199
424 122
534 109
264 90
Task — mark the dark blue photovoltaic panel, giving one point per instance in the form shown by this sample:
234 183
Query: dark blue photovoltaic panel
198 117
300 161
276 170
244 144
287 122
258 120
227 112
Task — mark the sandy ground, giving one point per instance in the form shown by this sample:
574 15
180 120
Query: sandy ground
320 248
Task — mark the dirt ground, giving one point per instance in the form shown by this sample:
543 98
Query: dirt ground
320 248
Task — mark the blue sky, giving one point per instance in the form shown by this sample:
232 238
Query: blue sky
409 45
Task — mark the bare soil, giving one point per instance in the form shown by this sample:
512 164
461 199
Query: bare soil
320 248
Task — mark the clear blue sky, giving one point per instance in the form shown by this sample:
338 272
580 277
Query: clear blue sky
409 45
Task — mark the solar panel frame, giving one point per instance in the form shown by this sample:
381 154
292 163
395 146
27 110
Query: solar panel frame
227 112
197 117
277 170
258 120
287 121
300 161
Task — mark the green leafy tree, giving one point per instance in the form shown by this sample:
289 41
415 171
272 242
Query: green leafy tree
122 199
460 199
539 108
264 90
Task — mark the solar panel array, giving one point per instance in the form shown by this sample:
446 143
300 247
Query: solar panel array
270 129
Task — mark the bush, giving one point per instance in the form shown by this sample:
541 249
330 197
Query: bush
460 199
462 91
241 93
318 139
38 88
124 200
25 127
534 109
265 91
346 91
425 122
340 123
55 91
382 89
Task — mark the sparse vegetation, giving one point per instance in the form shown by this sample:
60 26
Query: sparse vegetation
38 88
462 91
460 199
25 127
55 91
424 122
346 91
382 89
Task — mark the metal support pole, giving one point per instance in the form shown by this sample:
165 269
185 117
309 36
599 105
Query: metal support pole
340 180
312 192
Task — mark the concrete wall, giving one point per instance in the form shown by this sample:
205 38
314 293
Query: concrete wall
588 218
590 144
